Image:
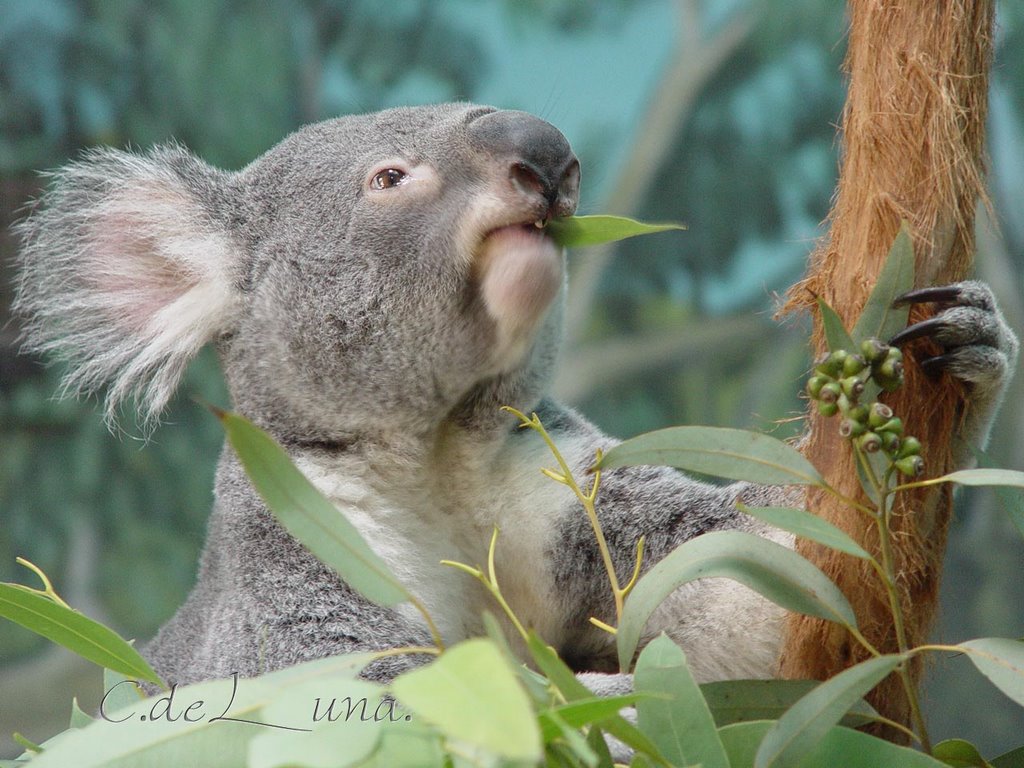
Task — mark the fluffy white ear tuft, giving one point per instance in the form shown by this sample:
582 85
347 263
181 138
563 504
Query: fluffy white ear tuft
127 270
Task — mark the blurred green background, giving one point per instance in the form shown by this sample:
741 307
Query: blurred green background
719 113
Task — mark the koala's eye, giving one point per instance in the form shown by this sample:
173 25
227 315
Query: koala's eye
389 177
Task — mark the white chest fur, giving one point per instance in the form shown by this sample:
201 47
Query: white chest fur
414 526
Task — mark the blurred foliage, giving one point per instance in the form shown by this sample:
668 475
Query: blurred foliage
751 170
146 501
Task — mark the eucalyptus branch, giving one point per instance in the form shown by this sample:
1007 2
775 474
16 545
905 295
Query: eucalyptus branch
490 582
888 575
839 384
588 500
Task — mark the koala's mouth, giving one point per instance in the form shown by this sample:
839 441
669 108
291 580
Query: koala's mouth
520 270
527 229
528 243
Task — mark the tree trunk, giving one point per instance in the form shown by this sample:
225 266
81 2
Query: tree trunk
913 134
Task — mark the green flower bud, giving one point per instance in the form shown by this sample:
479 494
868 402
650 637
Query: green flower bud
880 413
894 424
894 354
859 413
854 364
911 446
869 442
889 374
890 442
911 466
852 387
814 385
890 369
890 385
844 404
873 350
832 363
829 392
827 409
849 428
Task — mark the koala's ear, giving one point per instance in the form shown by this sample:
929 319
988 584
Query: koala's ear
127 269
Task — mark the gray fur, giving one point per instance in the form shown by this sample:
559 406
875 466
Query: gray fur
980 349
375 333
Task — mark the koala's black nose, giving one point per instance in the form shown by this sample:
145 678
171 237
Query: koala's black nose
540 160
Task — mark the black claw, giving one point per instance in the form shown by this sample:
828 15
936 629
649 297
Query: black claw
917 330
944 294
935 366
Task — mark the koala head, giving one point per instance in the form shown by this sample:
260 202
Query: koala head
372 272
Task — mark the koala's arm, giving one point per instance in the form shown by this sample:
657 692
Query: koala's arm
727 630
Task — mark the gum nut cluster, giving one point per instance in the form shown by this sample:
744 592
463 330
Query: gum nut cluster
837 385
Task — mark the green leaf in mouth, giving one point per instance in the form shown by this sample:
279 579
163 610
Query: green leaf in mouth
577 231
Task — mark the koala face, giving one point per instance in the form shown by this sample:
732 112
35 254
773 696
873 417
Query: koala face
399 264
370 272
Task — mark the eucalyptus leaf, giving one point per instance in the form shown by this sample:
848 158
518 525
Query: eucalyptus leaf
737 454
1001 660
681 726
119 692
959 754
472 695
572 689
880 319
807 525
1011 501
798 732
74 631
224 716
583 712
554 726
737 701
308 515
597 744
407 747
877 461
836 335
346 735
536 685
79 719
1008 477
778 573
579 231
838 747
1012 759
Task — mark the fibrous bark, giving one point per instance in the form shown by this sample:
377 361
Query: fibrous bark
913 135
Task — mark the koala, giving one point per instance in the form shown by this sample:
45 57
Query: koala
377 287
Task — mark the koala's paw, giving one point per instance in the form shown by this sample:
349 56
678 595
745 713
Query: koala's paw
978 346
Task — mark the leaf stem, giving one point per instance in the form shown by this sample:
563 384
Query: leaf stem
899 727
587 500
435 634
921 484
848 500
888 574
48 590
636 568
490 582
